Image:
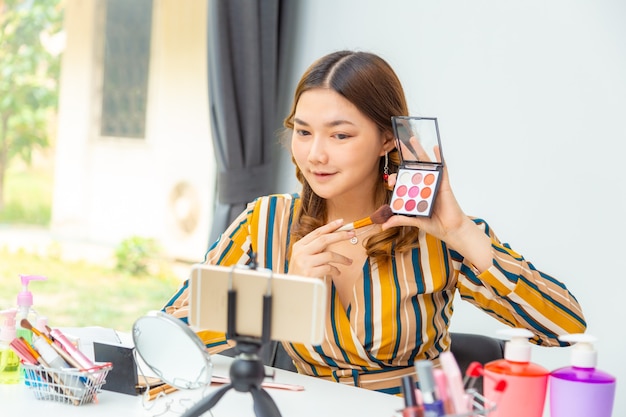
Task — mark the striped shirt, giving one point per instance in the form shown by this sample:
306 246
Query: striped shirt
400 310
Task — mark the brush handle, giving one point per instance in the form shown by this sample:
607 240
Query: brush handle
356 225
349 226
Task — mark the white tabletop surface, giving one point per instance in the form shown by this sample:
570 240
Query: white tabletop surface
319 398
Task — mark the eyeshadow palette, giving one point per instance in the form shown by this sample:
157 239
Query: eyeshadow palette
417 182
414 192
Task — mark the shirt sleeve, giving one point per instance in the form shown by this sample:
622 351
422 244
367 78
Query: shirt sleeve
232 247
514 292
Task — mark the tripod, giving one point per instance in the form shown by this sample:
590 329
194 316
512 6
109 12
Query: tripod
247 370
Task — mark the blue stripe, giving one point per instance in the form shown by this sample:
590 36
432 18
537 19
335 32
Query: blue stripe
335 322
548 278
470 275
312 366
481 222
271 220
367 314
213 245
225 252
504 250
419 282
210 345
392 391
489 311
178 293
552 301
417 268
289 224
445 294
327 359
369 331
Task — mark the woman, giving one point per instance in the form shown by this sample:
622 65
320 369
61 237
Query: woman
391 286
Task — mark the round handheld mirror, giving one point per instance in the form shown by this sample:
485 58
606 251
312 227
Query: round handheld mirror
172 350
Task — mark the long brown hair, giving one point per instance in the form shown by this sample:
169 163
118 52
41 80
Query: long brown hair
368 82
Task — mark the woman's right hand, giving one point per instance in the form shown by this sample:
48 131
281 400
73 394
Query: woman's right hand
311 257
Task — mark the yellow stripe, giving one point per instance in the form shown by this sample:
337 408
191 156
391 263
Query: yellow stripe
388 292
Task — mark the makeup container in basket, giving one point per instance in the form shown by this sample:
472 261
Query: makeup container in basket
66 385
56 370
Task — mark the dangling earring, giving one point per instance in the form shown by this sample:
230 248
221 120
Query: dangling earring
386 168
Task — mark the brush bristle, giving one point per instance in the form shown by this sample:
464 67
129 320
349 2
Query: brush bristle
381 215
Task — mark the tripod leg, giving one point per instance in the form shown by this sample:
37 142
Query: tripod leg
206 403
264 405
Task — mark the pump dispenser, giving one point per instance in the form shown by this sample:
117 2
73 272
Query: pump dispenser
581 389
526 382
25 306
9 361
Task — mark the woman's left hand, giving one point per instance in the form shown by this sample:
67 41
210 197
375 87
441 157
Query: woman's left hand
447 218
448 222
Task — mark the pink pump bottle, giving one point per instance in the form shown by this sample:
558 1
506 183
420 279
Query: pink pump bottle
581 389
25 307
526 382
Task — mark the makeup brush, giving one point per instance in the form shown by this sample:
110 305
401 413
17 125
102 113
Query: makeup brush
57 336
59 350
380 216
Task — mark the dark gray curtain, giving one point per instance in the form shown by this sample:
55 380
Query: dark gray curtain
243 63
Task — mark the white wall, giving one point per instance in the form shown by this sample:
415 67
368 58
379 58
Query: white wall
108 189
531 100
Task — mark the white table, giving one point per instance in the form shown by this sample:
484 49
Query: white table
319 398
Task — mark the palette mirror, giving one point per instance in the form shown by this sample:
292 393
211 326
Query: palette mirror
421 165
418 139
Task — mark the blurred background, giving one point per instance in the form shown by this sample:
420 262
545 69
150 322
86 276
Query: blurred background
110 176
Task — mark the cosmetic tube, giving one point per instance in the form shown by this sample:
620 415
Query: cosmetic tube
411 407
456 388
54 360
442 390
69 347
433 406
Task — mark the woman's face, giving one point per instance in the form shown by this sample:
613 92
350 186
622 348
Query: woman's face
336 147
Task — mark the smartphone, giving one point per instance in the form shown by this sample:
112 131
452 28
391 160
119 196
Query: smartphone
298 311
